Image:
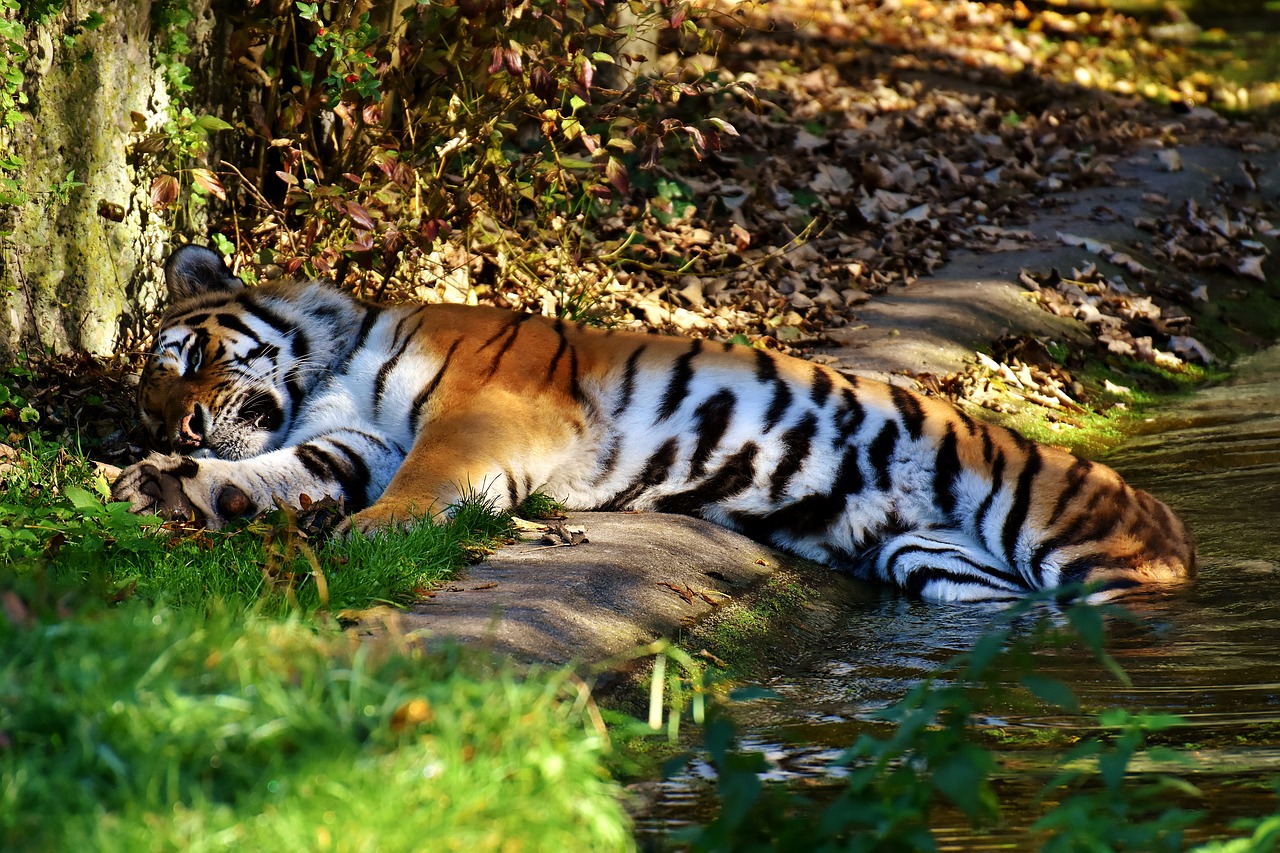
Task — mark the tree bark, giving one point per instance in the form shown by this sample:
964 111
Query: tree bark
80 270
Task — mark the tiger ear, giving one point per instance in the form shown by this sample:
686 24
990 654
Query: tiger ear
193 270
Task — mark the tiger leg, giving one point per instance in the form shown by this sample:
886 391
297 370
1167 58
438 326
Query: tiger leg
943 566
211 492
497 454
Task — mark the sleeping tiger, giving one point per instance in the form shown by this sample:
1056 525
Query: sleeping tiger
296 389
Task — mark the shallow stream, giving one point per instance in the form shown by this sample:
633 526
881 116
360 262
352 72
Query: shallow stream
1210 654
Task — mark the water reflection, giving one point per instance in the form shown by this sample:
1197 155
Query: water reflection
1208 653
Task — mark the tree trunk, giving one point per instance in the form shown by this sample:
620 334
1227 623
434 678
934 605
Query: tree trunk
80 266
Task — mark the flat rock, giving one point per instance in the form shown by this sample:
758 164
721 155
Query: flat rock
638 577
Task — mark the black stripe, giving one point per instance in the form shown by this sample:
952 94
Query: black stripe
948 550
510 331
235 324
713 421
380 381
629 381
560 351
909 407
1094 520
984 509
767 373
821 388
880 454
1076 477
424 396
398 336
655 472
251 306
317 462
366 325
812 513
575 387
766 367
513 493
945 471
921 578
354 478
262 350
849 417
796 443
733 477
610 459
293 387
1017 516
681 376
778 405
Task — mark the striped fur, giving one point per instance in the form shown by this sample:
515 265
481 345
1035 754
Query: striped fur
286 390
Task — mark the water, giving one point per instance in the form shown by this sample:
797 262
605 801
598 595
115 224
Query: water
1210 654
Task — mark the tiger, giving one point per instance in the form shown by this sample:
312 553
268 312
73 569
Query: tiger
290 391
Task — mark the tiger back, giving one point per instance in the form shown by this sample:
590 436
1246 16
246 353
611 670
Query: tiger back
403 411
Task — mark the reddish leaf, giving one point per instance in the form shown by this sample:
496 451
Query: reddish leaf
360 216
164 191
586 74
362 243
495 64
616 173
542 84
514 63
209 182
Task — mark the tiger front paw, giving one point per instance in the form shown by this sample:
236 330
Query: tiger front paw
382 517
171 487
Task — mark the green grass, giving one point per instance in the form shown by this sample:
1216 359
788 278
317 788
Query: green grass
191 692
1102 424
160 729
58 534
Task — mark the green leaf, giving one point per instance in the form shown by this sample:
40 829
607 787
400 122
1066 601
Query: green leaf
1088 624
1051 690
210 124
81 499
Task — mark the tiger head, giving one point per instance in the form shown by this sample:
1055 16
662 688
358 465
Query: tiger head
224 366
